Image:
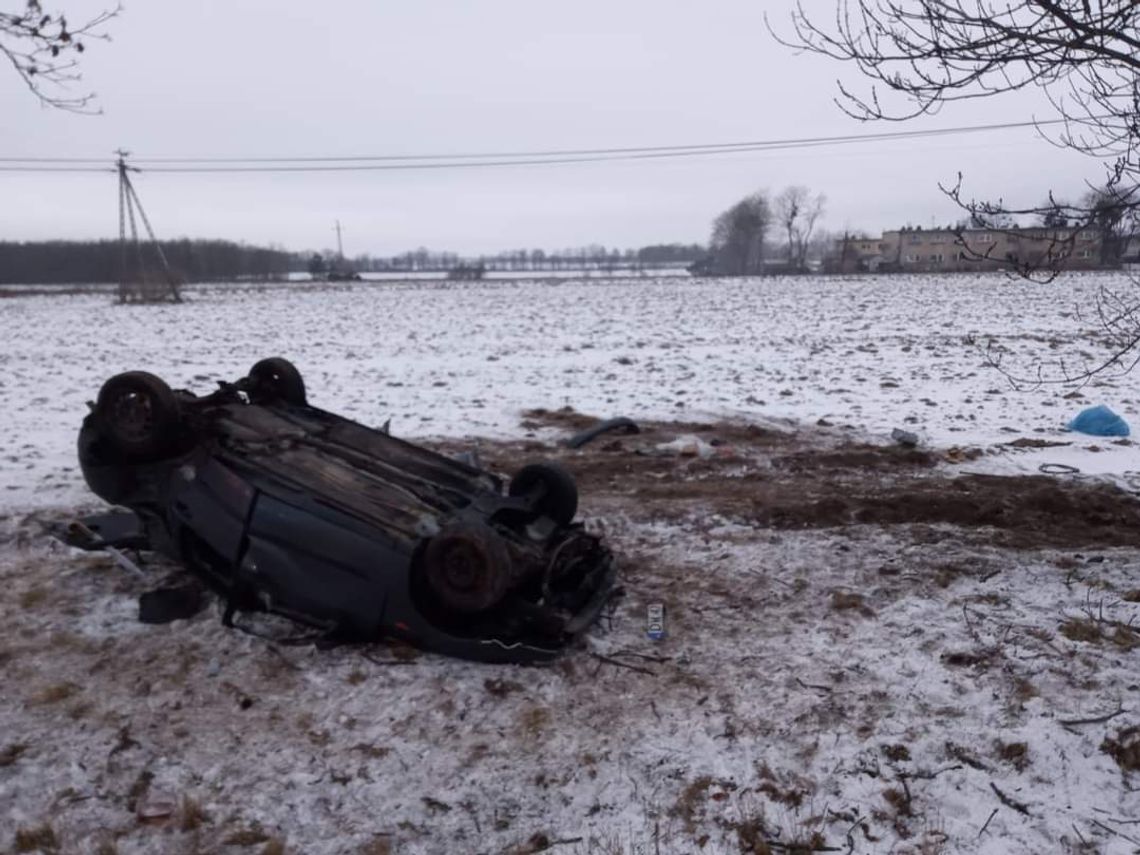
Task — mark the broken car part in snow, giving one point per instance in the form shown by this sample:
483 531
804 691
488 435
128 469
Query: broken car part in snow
625 425
167 605
283 507
905 438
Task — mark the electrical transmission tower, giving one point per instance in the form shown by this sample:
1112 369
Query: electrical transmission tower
137 284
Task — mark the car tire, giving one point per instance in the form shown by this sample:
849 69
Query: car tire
468 568
559 497
138 414
276 379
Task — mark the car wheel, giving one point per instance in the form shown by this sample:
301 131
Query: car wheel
554 488
468 568
276 379
139 414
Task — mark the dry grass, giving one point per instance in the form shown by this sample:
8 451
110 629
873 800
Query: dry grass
54 694
844 601
690 803
11 753
1124 748
790 796
969 658
1085 630
379 846
1125 637
246 837
1016 754
191 815
1093 631
534 720
896 753
500 688
39 839
1024 690
372 752
33 597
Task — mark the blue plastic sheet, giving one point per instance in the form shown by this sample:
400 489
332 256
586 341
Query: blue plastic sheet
1099 421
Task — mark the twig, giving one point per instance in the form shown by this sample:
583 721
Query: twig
930 776
1111 830
988 821
554 843
1100 719
906 791
1078 831
850 836
815 686
645 656
1117 819
611 661
799 847
1010 803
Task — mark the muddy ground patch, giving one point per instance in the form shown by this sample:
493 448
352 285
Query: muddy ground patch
785 478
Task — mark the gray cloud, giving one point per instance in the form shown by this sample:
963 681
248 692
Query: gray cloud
348 78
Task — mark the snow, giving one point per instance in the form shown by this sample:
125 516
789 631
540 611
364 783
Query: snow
463 359
808 681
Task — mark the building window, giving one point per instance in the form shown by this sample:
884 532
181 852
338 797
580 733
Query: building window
985 237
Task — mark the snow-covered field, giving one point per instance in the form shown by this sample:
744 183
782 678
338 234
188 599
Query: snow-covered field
449 359
869 650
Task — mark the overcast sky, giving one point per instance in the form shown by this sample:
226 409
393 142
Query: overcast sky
356 77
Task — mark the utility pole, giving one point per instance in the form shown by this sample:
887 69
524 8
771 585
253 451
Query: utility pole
138 287
339 245
121 165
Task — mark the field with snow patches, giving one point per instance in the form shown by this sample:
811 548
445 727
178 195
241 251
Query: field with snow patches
871 649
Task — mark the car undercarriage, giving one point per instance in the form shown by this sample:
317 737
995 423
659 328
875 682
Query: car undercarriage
283 507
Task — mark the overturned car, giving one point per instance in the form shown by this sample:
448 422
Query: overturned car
286 508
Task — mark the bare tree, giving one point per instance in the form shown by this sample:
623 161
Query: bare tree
919 55
922 54
798 211
738 237
45 50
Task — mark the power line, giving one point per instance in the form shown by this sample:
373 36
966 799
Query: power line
105 169
695 148
52 160
550 157
699 148
467 164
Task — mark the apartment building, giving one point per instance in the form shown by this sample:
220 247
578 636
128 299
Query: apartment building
948 250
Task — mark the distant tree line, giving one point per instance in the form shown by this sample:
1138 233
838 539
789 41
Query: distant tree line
60 262
592 257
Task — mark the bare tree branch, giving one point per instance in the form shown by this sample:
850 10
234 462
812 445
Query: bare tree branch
918 55
45 51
